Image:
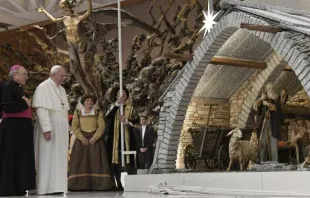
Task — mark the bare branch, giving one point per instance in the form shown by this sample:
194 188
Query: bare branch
151 14
163 14
126 15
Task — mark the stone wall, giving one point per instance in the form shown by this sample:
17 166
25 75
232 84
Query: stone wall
242 100
167 144
300 99
289 82
275 66
237 101
198 112
289 47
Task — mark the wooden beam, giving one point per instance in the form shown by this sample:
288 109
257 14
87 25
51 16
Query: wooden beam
48 22
261 28
220 60
295 112
179 57
288 69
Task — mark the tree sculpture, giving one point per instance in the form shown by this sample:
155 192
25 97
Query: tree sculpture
81 53
147 72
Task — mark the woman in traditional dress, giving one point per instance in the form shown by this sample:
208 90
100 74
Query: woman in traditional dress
88 167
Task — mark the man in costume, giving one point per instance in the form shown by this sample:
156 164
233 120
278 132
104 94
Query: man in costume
114 120
17 164
268 108
51 133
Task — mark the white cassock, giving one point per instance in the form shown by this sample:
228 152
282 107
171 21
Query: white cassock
52 107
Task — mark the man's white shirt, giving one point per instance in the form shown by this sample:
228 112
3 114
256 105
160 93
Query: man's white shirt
143 133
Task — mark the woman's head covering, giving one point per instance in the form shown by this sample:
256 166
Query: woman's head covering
87 96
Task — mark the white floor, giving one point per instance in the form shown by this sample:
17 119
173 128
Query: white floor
147 195
222 185
282 182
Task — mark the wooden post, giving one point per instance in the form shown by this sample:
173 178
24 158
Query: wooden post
220 60
261 28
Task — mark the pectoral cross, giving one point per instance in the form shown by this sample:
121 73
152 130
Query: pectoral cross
58 95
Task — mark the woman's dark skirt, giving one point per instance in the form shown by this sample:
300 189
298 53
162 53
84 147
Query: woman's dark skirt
88 167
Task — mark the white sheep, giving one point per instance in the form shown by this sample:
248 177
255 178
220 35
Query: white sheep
241 150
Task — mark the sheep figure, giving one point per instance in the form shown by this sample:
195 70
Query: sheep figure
243 151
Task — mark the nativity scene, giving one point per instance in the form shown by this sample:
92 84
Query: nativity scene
176 88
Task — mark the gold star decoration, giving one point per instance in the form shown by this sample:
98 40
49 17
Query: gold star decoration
209 18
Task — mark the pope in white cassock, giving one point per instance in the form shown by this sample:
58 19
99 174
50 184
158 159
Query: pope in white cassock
51 133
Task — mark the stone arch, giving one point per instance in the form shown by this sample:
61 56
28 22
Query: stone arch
290 82
252 88
275 65
287 52
178 97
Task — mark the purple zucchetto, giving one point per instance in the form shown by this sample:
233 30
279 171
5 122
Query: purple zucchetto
15 67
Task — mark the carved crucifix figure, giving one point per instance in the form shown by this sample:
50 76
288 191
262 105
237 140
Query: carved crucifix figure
71 20
80 64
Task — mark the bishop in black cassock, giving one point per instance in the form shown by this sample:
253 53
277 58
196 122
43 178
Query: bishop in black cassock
17 166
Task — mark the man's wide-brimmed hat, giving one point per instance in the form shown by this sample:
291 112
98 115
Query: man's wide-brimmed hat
87 96
115 90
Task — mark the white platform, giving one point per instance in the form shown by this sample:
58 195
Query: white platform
294 182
